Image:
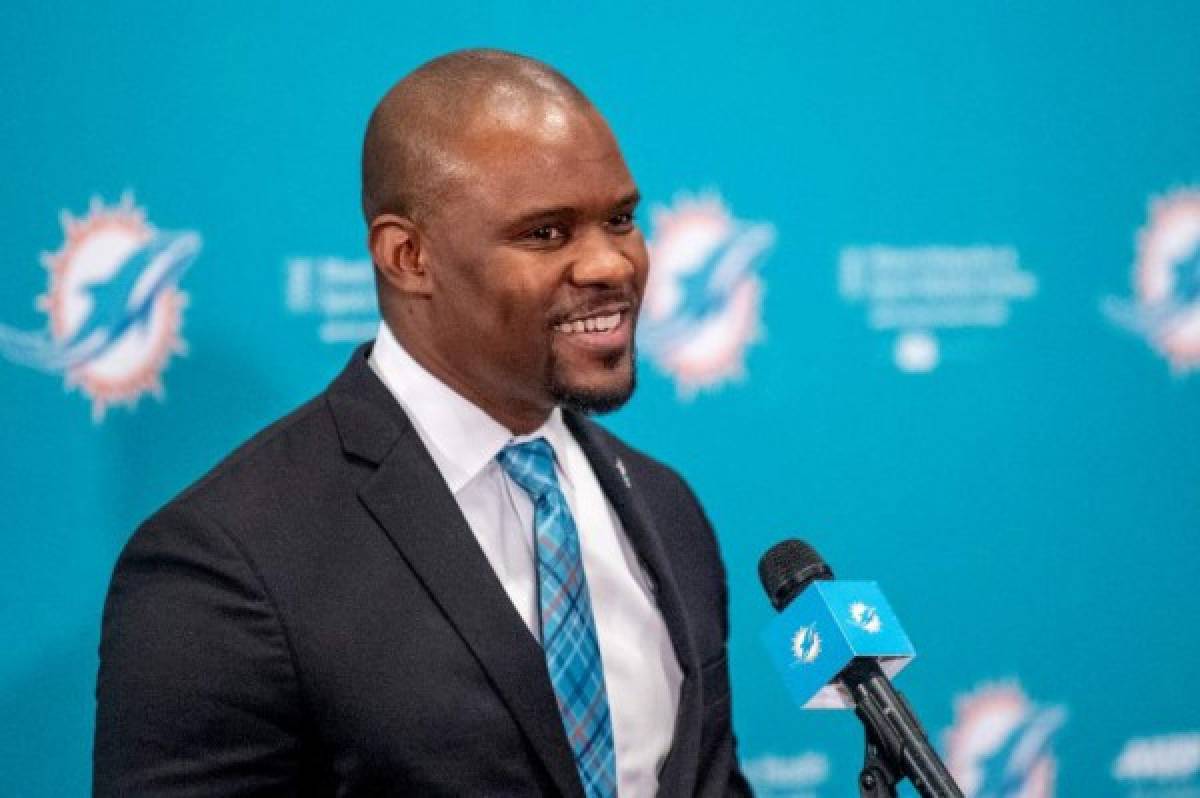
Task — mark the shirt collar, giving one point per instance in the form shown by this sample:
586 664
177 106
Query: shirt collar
461 438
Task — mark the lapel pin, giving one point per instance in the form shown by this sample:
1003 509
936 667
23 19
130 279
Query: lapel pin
624 475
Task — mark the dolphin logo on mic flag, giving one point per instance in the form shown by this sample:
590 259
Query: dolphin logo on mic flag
823 629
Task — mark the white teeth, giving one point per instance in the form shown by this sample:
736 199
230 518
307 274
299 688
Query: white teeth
590 324
606 323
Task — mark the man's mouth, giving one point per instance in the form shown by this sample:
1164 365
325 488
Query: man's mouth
600 323
605 330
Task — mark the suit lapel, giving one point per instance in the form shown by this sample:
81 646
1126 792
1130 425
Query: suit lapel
408 497
679 771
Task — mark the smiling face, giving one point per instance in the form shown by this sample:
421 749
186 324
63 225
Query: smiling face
533 266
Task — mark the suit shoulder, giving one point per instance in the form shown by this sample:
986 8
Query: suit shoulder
288 454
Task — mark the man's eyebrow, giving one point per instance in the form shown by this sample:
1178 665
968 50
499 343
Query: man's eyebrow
539 214
631 199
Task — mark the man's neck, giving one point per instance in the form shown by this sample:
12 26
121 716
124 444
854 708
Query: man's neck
519 418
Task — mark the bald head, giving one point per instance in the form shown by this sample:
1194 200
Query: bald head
500 217
409 152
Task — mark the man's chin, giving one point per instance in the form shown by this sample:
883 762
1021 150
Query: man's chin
595 397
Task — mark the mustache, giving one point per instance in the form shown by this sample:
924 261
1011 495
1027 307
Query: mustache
602 301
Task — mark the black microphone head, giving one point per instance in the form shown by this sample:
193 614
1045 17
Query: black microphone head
787 568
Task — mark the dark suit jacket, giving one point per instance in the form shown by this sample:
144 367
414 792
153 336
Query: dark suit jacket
314 617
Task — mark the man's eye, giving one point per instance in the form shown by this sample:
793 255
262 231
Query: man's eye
621 221
547 232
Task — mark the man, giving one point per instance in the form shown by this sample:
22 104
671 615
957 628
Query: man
439 578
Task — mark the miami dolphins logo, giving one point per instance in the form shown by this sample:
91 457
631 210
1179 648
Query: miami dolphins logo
865 617
703 303
114 311
1000 744
806 644
1166 305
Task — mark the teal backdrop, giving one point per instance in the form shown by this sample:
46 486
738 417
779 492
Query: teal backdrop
954 346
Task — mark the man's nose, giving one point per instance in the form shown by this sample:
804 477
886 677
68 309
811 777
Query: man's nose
604 258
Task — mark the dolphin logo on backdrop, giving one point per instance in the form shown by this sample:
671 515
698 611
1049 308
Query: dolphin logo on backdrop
703 302
1000 744
1165 308
113 308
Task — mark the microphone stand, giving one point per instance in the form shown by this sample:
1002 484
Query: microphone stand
896 744
877 779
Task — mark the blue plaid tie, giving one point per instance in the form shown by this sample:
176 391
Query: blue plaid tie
568 628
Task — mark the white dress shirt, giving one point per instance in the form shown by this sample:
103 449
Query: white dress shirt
641 672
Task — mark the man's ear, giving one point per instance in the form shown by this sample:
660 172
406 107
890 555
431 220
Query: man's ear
396 248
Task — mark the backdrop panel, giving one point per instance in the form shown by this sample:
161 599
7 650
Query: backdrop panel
926 293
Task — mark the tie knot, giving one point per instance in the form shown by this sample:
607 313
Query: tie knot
530 465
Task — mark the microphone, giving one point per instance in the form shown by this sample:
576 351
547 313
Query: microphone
831 640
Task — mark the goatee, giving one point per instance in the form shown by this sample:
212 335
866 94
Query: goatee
592 402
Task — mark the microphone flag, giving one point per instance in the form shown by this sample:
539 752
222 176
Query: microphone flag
823 629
